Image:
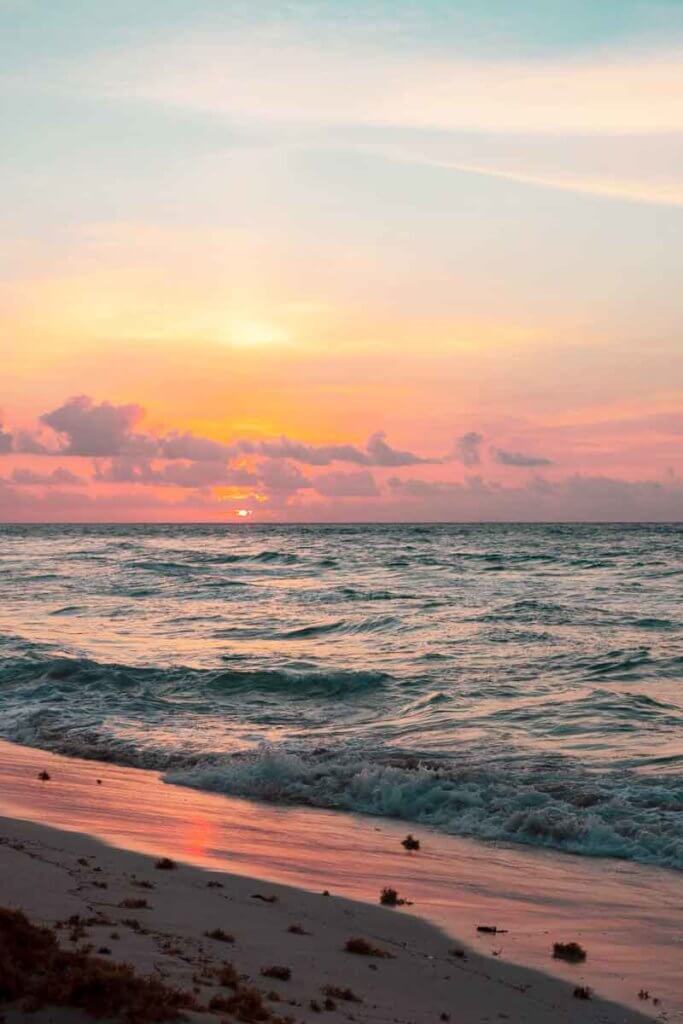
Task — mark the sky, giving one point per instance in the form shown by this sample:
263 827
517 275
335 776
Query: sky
341 261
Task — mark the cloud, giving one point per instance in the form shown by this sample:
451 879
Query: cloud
283 478
189 446
518 459
205 474
200 474
378 452
59 477
409 106
468 448
312 455
577 498
382 454
624 180
359 484
87 428
296 80
71 505
29 443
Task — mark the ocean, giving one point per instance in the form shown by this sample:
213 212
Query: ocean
512 683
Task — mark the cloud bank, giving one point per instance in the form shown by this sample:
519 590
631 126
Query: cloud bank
122 471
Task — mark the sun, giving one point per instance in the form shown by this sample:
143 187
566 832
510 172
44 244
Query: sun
243 513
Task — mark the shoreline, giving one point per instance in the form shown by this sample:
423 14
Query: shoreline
536 896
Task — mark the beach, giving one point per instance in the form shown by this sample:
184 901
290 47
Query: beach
341 512
98 844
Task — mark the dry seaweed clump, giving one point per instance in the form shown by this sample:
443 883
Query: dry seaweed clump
296 929
361 947
572 952
280 973
246 1004
345 994
35 971
165 864
583 992
228 976
410 842
219 935
390 898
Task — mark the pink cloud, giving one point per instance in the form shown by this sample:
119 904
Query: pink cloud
468 448
125 469
182 474
59 477
518 459
378 452
189 446
360 484
105 429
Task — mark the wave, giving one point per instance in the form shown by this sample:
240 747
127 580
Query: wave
553 805
52 675
168 719
203 562
373 624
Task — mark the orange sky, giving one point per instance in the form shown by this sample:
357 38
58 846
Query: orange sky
331 244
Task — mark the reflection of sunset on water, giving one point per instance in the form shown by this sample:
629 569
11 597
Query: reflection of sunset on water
199 839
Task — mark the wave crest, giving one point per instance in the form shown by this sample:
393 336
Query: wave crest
555 806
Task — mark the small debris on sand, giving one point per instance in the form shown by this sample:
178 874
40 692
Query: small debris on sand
491 929
44 776
219 935
165 864
281 973
346 995
572 952
361 947
390 898
583 992
410 842
264 899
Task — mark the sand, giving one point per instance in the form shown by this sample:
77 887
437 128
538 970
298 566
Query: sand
52 874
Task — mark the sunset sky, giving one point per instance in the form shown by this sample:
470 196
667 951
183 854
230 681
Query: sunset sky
321 260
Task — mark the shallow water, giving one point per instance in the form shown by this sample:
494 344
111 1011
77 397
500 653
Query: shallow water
496 681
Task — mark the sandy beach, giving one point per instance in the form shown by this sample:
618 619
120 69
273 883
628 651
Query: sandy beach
229 877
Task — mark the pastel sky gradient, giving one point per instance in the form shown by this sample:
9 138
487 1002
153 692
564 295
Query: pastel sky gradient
321 260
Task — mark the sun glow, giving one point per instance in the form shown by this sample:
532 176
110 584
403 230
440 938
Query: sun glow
256 332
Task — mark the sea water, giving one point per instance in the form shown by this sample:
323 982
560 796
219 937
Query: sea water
521 683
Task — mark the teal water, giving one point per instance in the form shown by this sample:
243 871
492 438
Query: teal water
518 683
